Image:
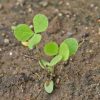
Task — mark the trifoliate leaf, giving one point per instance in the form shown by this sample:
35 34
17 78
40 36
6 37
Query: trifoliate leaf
22 32
55 60
40 23
48 86
72 45
34 40
64 51
51 48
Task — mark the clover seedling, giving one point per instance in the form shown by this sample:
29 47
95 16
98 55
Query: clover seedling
25 34
60 53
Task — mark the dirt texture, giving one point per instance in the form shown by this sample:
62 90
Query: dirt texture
21 77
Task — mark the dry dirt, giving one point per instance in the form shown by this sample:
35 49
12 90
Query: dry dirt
21 77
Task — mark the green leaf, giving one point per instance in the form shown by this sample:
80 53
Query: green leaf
51 48
48 86
40 22
64 51
55 60
43 63
34 40
22 32
46 65
72 45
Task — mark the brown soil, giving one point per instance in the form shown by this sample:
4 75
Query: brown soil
21 77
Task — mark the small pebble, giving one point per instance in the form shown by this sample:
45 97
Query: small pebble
74 15
30 10
3 34
96 8
62 32
86 28
20 2
56 10
1 6
69 33
71 59
58 81
44 3
0 49
67 3
60 3
68 16
60 14
6 41
31 26
10 53
91 41
79 23
93 31
89 51
92 5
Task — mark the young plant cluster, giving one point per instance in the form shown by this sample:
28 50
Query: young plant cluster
58 53
25 34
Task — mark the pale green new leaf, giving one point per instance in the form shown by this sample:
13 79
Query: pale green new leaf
40 23
43 63
48 86
23 32
34 40
64 51
55 60
72 45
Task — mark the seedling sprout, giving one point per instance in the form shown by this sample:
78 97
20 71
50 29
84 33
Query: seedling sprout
30 38
60 53
25 34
